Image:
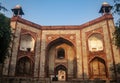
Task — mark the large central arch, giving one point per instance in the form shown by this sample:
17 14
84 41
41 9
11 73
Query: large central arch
54 58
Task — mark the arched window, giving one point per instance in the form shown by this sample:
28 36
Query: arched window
95 42
60 53
27 43
24 67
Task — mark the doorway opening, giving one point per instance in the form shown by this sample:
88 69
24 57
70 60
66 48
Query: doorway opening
61 73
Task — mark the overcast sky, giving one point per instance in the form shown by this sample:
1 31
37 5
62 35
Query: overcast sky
57 12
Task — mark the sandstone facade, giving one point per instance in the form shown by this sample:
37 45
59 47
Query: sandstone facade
68 52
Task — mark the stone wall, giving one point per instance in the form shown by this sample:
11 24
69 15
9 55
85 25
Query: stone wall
77 35
24 80
47 80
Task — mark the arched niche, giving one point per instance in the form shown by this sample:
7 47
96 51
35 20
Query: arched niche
95 42
24 67
27 42
60 53
98 68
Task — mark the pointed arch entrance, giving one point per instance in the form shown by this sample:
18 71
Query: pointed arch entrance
24 67
61 72
98 68
61 57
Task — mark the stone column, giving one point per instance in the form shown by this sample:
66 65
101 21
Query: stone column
85 56
108 52
14 52
6 66
42 56
37 57
79 55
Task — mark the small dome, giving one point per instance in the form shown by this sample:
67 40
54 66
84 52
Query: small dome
105 4
17 7
17 10
105 8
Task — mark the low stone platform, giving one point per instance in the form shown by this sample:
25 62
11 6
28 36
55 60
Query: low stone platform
48 80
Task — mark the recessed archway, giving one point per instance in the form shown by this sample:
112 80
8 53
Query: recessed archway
98 68
68 52
61 72
24 67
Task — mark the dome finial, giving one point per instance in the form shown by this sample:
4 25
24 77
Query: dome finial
17 6
105 4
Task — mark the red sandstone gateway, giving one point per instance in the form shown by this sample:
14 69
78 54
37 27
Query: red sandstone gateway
44 54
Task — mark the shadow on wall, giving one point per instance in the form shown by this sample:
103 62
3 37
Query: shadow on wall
1 66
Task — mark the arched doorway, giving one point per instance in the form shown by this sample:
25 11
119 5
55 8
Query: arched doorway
61 73
24 67
61 51
98 68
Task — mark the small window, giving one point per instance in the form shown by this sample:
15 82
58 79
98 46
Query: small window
60 53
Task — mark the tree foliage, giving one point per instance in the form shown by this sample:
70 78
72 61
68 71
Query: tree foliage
5 36
116 11
116 37
2 8
117 68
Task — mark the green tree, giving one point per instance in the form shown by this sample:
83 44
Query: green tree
5 36
116 36
116 11
2 8
117 68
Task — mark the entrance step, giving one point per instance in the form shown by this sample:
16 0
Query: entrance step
60 82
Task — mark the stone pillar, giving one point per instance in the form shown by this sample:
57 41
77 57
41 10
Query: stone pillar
6 66
85 56
37 57
109 53
116 51
42 57
14 52
79 55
